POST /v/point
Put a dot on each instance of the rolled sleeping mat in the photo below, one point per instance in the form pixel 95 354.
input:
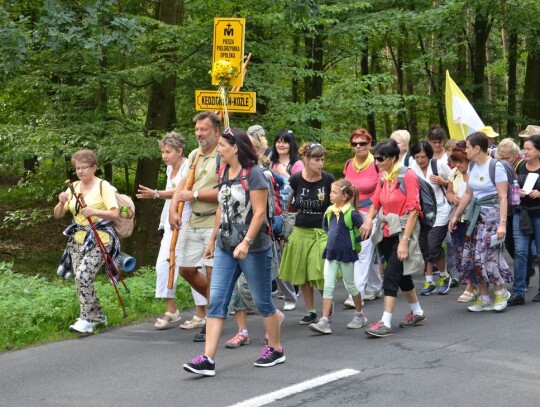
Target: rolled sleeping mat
pixel 126 262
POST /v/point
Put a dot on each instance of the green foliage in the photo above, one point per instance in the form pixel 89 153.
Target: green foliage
pixel 25 218
pixel 33 310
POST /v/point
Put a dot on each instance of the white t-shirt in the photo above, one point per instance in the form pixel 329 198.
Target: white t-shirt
pixel 480 182
pixel 172 183
pixel 443 208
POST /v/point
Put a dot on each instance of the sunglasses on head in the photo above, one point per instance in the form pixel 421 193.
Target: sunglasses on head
pixel 314 145
pixel 379 158
pixel 228 132
pixel 359 143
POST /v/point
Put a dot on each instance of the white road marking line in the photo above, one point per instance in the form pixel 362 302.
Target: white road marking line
pixel 297 388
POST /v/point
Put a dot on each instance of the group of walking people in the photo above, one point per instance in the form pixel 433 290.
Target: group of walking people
pixel 369 228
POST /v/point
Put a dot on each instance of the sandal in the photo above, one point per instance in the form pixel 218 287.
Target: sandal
pixel 162 323
pixel 195 322
pixel 467 296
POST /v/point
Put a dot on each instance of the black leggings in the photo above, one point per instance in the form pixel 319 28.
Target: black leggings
pixel 393 272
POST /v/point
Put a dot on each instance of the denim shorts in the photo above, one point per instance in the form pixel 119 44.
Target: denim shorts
pixel 257 268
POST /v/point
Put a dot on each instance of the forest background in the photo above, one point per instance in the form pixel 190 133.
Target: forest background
pixel 115 75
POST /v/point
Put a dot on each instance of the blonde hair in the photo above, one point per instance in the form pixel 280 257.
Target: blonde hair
pixel 403 135
pixel 508 145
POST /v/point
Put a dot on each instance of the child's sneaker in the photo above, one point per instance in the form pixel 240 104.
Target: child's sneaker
pixel 358 321
pixel 201 366
pixel 270 357
pixel 308 319
pixel 322 327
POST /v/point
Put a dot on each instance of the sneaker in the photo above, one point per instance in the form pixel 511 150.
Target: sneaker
pixel 270 357
pixel 480 305
pixel 321 327
pixel 358 321
pixel 281 296
pixel 83 326
pixel 308 319
pixel 536 298
pixel 289 306
pixel 516 300
pixel 378 329
pixel 429 288
pixel 349 303
pixel 201 366
pixel 201 336
pixel 194 323
pixel 369 296
pixel 455 282
pixel 412 319
pixel 444 285
pixel 501 301
pixel 237 340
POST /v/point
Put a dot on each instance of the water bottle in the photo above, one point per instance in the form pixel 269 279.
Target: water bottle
pixel 515 199
pixel 124 212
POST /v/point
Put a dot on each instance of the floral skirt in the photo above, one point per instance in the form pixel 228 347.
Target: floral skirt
pixel 482 264
pixel 302 260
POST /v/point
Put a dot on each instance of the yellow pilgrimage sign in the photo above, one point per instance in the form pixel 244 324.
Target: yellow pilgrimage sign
pixel 229 45
pixel 242 102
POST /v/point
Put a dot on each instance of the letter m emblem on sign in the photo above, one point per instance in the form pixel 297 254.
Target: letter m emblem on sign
pixel 228 31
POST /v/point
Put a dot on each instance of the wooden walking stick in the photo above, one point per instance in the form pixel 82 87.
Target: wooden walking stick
pixel 110 265
pixel 172 249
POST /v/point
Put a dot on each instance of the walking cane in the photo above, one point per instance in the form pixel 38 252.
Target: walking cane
pixel 110 266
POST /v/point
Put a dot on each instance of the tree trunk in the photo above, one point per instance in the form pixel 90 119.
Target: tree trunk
pixel 511 109
pixel 531 94
pixel 314 84
pixel 364 70
pixel 160 117
pixel 481 29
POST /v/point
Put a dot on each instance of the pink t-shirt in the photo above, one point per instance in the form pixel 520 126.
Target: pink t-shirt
pixel 391 199
pixel 365 180
pixel 296 167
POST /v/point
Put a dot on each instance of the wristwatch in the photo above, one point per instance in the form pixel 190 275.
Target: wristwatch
pixel 195 195
pixel 248 240
pixel 156 195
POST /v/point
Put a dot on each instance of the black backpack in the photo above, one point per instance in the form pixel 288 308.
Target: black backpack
pixel 428 201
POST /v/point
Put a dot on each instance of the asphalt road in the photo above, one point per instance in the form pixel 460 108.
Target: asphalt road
pixel 456 358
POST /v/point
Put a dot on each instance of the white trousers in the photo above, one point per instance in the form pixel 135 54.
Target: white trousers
pixel 367 276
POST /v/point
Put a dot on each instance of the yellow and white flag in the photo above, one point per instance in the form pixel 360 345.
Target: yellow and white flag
pixel 461 117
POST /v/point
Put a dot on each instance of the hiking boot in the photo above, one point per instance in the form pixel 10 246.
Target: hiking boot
pixel 444 285
pixel 201 336
pixel 237 340
pixel 201 366
pixel 321 327
pixel 412 319
pixel 308 319
pixel 358 321
pixel 83 326
pixel 501 301
pixel 480 306
pixel 270 357
pixel 378 329
pixel 429 288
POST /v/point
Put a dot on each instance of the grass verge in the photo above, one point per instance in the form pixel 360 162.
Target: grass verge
pixel 34 310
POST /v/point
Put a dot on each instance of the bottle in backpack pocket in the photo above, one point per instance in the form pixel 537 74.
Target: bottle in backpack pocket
pixel 124 212
pixel 515 199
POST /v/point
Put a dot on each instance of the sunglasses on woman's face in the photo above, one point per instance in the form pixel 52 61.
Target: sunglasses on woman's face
pixel 359 143
pixel 379 159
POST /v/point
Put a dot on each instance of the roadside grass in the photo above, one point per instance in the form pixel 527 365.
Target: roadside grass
pixel 34 310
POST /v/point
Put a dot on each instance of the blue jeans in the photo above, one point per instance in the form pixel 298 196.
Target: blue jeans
pixel 522 244
pixel 257 268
